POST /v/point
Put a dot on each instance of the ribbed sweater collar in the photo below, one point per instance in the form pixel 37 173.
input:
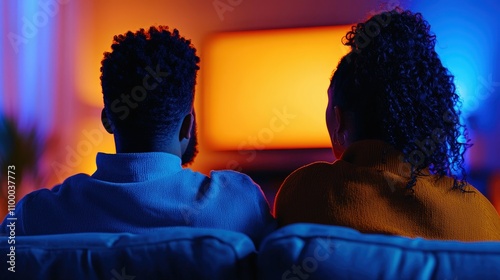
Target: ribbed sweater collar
pixel 135 167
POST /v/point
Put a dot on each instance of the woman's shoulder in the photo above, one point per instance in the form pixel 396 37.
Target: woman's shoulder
pixel 310 173
pixel 313 168
pixel 303 186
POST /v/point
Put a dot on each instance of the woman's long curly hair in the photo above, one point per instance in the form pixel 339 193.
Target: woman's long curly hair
pixel 398 90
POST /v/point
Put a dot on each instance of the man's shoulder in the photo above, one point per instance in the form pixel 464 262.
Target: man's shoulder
pixel 234 183
pixel 230 177
pixel 57 190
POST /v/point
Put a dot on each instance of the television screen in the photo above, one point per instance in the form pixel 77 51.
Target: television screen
pixel 267 89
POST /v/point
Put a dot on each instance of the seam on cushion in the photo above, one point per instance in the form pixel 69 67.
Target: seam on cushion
pixel 113 246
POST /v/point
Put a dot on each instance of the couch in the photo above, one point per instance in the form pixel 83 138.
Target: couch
pixel 165 253
pixel 295 252
pixel 307 251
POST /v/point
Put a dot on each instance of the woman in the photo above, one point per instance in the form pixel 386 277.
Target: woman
pixel 396 133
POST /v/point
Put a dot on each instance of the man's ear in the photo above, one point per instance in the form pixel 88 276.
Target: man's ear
pixel 106 122
pixel 187 125
pixel 340 119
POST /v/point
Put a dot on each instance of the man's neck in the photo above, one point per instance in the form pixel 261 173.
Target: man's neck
pixel 146 147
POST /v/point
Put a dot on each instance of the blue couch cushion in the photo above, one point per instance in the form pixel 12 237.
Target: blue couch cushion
pixel 166 253
pixel 309 251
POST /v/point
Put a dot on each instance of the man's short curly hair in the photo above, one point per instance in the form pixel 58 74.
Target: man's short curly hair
pixel 148 81
pixel 398 90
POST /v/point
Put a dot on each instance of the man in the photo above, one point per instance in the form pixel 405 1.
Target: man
pixel 148 82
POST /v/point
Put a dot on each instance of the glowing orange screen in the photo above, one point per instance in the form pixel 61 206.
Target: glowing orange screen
pixel 268 89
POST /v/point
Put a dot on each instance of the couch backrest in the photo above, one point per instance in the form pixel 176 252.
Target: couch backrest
pixel 307 251
pixel 166 253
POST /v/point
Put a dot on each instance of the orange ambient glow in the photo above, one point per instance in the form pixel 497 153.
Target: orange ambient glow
pixel 267 89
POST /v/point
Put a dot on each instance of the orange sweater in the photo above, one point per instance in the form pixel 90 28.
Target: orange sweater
pixel 365 190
